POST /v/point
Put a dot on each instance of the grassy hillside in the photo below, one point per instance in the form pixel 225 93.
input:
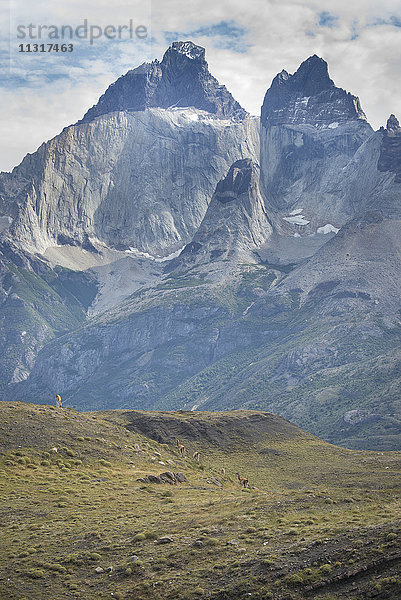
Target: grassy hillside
pixel 317 521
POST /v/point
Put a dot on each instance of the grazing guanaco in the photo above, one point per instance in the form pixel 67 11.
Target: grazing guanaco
pixel 243 481
pixel 58 401
pixel 181 448
pixel 196 456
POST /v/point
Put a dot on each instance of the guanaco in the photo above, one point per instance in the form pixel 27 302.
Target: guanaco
pixel 196 456
pixel 243 481
pixel 223 471
pixel 181 448
pixel 58 401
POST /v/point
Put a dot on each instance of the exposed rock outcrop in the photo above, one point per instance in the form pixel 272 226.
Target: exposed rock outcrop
pixel 390 150
pixel 236 223
pixel 167 477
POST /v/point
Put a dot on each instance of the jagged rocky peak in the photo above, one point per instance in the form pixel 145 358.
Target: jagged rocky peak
pixel 235 224
pixel 390 149
pixel 312 77
pixel 188 49
pixel 181 79
pixel 309 96
pixel 393 124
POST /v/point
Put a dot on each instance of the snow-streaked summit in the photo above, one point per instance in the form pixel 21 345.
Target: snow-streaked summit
pixel 189 49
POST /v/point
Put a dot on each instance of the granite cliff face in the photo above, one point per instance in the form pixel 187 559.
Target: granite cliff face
pixel 132 174
pixel 101 181
pixel 225 277
pixel 116 191
pixel 311 132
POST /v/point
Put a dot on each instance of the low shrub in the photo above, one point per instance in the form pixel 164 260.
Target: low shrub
pixel 294 579
pixel 198 591
pixel 56 567
pixel 210 541
pixel 72 558
pixel 326 569
pixel 95 556
pixel 35 573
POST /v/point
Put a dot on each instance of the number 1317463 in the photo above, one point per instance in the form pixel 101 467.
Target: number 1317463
pixel 45 47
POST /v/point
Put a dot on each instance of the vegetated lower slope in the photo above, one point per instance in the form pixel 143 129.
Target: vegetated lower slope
pixel 317 521
pixel 325 355
pixel 37 304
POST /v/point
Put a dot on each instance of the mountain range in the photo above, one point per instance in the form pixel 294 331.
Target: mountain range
pixel 170 251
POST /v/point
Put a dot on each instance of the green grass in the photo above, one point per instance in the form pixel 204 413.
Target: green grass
pixel 314 514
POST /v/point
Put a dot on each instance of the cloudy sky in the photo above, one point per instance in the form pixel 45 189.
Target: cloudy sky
pixel 247 44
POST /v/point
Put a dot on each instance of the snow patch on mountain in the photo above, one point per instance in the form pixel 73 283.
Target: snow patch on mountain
pixel 159 259
pixel 297 220
pixel 329 228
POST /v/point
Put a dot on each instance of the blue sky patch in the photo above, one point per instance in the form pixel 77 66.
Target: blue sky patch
pixel 226 34
pixel 327 19
pixel 393 20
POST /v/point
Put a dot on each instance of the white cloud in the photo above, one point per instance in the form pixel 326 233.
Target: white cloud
pixel 277 34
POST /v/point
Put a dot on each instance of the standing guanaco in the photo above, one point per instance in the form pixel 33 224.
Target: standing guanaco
pixel 243 481
pixel 58 401
pixel 181 448
pixel 196 456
